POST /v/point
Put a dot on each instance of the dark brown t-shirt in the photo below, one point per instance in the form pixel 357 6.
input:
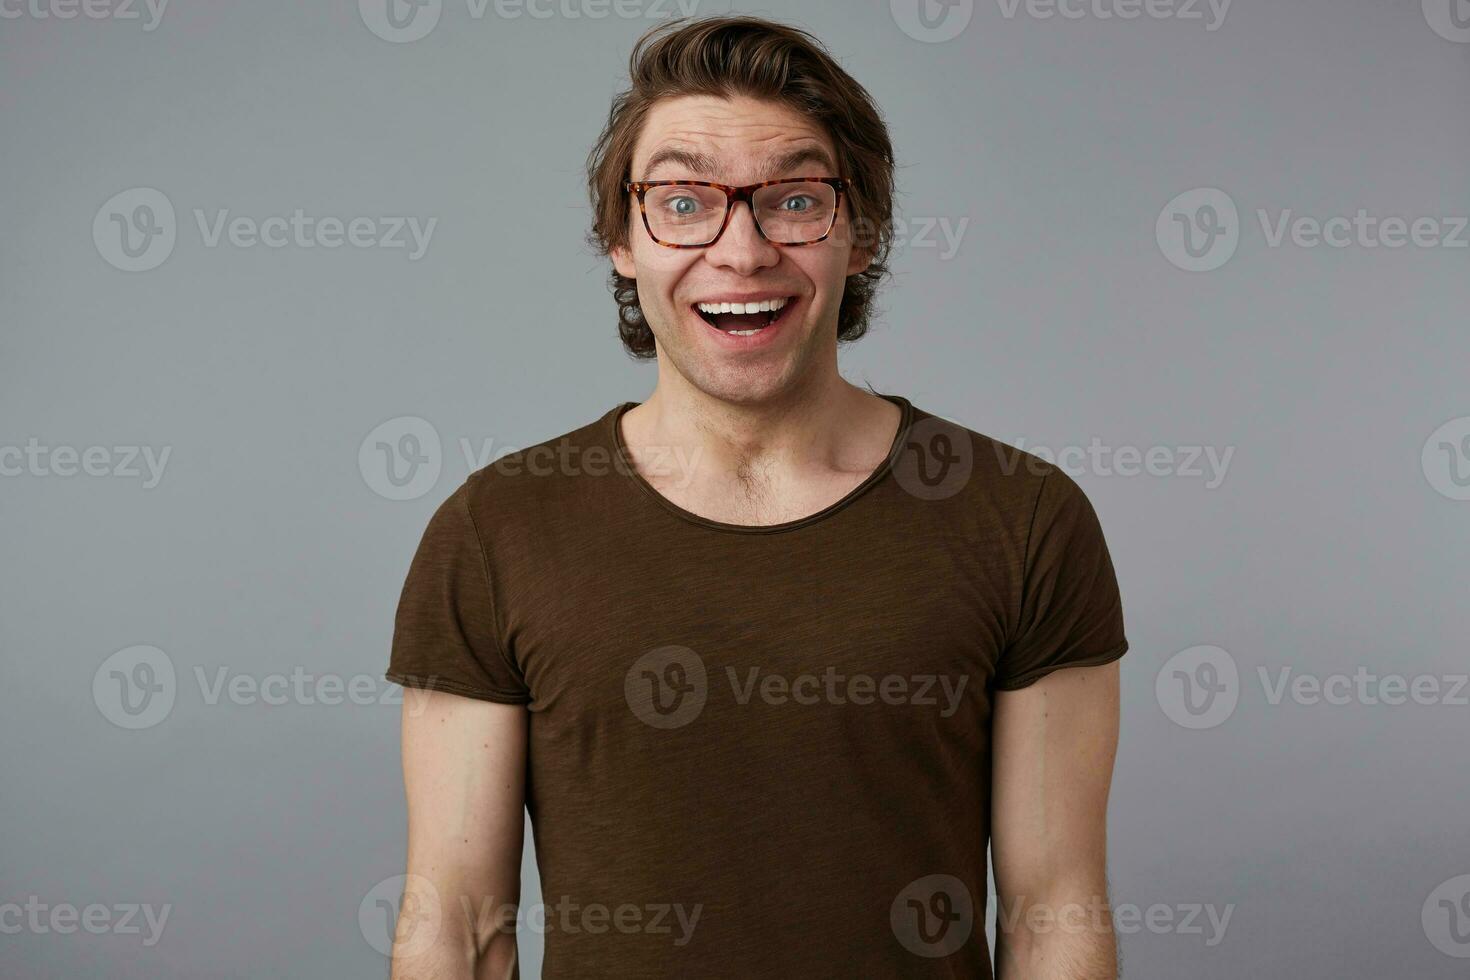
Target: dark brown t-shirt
pixel 759 751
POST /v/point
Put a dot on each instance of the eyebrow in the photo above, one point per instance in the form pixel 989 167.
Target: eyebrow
pixel 703 163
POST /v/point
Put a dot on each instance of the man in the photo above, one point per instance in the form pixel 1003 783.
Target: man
pixel 767 657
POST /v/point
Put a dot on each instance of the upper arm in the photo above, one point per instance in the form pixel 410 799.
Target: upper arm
pixel 464 731
pixel 464 777
pixel 1053 746
pixel 1055 722
pixel 1054 734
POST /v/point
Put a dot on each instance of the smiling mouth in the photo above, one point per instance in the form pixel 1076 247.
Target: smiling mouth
pixel 744 319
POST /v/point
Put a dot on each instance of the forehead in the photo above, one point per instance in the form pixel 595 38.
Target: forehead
pixel 738 139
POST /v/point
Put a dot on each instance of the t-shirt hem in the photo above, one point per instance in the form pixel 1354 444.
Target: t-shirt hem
pixel 454 687
pixel 1031 677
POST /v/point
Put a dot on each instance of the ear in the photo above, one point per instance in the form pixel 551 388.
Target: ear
pixel 858 259
pixel 622 259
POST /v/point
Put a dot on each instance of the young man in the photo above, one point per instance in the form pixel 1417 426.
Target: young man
pixel 768 689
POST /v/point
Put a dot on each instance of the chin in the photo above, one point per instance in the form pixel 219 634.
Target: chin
pixel 745 384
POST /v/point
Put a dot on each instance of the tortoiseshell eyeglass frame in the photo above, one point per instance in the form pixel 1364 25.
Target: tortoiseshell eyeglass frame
pixel 734 195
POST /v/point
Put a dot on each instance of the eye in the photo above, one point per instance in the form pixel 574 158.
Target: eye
pixel 796 199
pixel 681 205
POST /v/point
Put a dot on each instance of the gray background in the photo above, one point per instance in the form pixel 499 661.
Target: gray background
pixel 266 548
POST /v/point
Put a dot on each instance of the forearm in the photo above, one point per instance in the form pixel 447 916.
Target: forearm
pixel 453 960
pixel 471 937
pixel 1056 934
pixel 447 959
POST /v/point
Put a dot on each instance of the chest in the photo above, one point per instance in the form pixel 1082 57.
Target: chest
pixel 747 617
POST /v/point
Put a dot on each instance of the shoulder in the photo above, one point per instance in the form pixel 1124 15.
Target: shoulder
pixel 990 490
pixel 982 470
pixel 536 481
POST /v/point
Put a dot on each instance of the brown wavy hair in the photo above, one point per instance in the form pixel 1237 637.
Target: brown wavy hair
pixel 758 58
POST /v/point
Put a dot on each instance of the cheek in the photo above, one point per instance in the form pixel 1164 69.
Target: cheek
pixel 660 269
pixel 825 264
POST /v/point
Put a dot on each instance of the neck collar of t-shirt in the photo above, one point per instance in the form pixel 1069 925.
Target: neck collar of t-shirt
pixel 614 436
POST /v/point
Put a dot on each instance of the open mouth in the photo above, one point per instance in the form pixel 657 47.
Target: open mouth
pixel 745 319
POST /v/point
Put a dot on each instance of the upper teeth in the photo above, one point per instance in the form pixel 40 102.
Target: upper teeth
pixel 764 306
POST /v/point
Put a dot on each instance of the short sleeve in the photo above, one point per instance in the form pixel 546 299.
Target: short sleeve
pixel 444 633
pixel 1070 612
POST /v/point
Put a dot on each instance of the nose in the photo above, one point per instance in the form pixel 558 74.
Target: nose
pixel 740 248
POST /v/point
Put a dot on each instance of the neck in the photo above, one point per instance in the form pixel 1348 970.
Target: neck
pixel 826 423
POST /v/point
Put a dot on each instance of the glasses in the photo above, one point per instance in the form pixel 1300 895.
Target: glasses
pixel 695 213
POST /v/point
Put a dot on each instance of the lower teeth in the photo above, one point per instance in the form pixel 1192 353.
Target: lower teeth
pixel 770 319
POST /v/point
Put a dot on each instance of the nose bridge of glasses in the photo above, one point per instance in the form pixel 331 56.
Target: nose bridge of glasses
pixel 744 195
